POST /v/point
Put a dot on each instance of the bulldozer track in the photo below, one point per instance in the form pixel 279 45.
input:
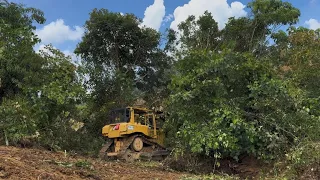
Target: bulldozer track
pixel 147 141
pixel 104 149
pixel 127 144
pixel 157 149
pixel 125 151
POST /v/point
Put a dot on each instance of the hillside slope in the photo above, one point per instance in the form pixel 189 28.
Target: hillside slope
pixel 16 163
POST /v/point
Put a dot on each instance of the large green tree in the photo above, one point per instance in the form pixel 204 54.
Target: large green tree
pixel 227 94
pixel 39 92
pixel 123 62
pixel 18 61
pixel 118 53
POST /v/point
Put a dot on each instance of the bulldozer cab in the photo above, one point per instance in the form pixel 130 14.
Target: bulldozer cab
pixel 132 115
pixel 143 117
pixel 120 115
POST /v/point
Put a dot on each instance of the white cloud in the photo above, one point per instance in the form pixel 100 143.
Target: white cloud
pixel 41 47
pixel 74 57
pixel 313 24
pixel 154 15
pixel 168 18
pixel 313 2
pixel 58 32
pixel 220 10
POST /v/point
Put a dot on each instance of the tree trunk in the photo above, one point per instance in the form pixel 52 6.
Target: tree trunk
pixel 6 138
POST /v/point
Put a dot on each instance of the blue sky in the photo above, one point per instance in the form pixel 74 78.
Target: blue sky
pixel 65 18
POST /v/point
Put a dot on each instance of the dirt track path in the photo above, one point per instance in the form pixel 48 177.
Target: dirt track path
pixel 16 163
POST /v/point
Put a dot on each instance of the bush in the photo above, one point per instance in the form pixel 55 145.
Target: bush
pixel 225 111
pixel 301 162
pixel 17 119
pixel 304 161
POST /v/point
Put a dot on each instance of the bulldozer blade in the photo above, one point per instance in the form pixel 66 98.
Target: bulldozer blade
pixel 161 153
pixel 157 155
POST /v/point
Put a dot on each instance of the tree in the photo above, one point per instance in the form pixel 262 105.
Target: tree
pixel 17 64
pixel 303 59
pixel 39 93
pixel 123 62
pixel 228 98
pixel 45 107
pixel 299 62
pixel 114 47
pixel 18 61
pixel 58 102
pixel 253 33
pixel 202 33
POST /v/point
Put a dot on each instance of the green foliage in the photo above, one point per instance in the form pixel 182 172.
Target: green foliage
pixel 123 62
pixel 59 163
pixel 56 99
pixel 301 162
pixel 210 176
pixel 307 153
pixel 205 37
pixel 18 64
pixel 48 106
pixel 83 164
pixel 231 91
pixel 17 118
pixel 232 97
pixel 229 110
pixel 17 58
pixel 275 12
pixel 303 58
pixel 60 83
pixel 120 57
pixel 39 93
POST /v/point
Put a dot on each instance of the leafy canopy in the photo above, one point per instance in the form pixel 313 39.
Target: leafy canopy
pixel 228 94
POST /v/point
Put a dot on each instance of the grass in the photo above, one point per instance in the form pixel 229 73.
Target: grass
pixel 210 177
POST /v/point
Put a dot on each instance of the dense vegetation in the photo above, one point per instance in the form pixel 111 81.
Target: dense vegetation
pixel 251 87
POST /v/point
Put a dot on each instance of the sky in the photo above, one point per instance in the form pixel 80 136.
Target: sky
pixel 65 18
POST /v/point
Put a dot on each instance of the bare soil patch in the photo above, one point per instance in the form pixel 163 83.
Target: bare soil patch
pixel 23 163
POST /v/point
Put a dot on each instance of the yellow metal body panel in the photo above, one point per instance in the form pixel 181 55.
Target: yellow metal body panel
pixel 125 129
pixel 136 125
pixel 160 137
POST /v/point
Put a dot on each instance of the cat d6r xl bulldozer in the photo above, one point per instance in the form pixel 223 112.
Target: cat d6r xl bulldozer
pixel 134 133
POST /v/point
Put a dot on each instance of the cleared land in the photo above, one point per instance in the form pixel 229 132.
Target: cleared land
pixel 18 163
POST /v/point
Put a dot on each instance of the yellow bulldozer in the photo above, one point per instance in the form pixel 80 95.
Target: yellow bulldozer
pixel 134 133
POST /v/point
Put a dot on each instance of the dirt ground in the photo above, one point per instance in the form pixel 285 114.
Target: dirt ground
pixel 18 163
pixel 37 164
